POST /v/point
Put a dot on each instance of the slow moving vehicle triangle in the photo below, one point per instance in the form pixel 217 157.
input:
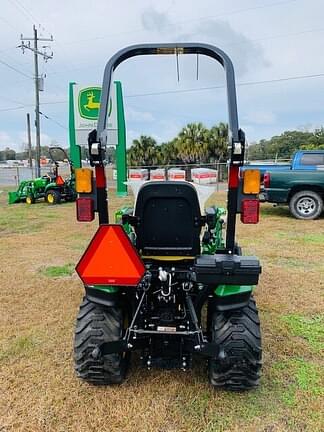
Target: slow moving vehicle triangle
pixel 111 259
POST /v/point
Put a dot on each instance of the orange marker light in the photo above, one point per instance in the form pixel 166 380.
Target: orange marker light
pixel 83 180
pixel 111 259
pixel 251 181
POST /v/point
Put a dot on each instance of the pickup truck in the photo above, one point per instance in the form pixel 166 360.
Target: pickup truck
pixel 306 160
pixel 303 191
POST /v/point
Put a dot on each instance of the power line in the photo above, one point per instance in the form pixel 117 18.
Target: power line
pixel 54 121
pixel 8 23
pixel 24 10
pixel 260 39
pixel 249 83
pixel 16 70
pixel 198 89
pixel 172 24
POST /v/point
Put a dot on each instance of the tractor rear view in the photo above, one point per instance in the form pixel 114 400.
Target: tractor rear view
pixel 164 280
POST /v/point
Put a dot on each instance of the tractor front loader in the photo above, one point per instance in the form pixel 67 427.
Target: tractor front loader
pixel 51 186
pixel 163 280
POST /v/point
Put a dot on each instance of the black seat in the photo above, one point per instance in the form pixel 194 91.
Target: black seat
pixel 168 219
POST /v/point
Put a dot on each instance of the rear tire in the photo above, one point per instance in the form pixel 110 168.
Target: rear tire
pixel 306 205
pixel 53 197
pixel 71 198
pixel 238 335
pixel 95 325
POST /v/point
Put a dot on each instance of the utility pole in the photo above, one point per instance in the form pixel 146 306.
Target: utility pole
pixel 38 81
pixel 30 159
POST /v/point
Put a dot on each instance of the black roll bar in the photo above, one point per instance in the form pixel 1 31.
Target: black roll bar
pixel 235 135
pixel 171 48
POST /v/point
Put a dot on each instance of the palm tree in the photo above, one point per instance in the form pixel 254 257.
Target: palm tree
pixel 218 141
pixel 169 153
pixel 143 151
pixel 192 143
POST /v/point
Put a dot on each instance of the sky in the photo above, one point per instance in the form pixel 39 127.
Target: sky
pixel 276 46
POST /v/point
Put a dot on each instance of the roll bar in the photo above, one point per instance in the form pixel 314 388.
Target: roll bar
pixel 171 48
pixel 98 138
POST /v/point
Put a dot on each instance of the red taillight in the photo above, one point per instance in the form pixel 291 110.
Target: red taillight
pixel 250 211
pixel 266 180
pixel 85 209
pixel 111 259
pixel 233 177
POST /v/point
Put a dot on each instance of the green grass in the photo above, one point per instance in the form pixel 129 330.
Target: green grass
pixel 58 271
pixel 297 379
pixel 304 239
pixel 18 346
pixel 309 328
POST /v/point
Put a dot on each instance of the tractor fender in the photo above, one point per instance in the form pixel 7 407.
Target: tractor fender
pixel 51 185
pixel 102 298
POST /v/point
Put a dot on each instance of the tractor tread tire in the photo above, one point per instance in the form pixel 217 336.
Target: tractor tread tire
pixel 95 325
pixel 238 335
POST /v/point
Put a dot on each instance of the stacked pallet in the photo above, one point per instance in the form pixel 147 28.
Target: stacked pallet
pixel 204 175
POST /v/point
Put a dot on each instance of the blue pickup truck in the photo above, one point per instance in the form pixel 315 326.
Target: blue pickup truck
pixel 309 160
pixel 301 186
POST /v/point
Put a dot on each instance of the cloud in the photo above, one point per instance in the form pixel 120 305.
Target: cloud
pixel 257 40
pixel 260 117
pixel 135 115
pixel 17 140
pixel 7 141
pixel 245 53
pixel 152 20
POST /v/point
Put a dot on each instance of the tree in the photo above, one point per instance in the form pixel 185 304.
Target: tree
pixel 192 143
pixel 168 153
pixel 143 152
pixel 7 154
pixel 218 142
pixel 283 146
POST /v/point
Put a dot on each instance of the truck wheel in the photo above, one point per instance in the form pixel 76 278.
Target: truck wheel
pixel 306 205
pixel 238 335
pixel 53 197
pixel 97 324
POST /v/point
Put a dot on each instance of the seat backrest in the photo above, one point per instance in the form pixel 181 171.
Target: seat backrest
pixel 168 219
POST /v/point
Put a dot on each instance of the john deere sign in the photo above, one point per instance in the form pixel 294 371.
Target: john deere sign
pixel 89 102
pixel 84 106
pixel 86 111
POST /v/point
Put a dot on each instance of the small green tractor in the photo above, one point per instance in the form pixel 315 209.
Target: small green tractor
pixel 162 280
pixel 52 186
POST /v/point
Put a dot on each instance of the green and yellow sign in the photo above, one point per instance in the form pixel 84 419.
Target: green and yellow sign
pixel 89 102
pixel 84 107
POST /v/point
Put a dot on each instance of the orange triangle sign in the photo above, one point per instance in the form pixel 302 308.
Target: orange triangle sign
pixel 111 259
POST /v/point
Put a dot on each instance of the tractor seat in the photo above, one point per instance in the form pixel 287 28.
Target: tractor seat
pixel 168 220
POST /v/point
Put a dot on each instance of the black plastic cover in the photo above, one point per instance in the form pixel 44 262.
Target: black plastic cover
pixel 227 269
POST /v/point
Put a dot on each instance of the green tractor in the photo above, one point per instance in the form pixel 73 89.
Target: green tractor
pixel 51 186
pixel 162 280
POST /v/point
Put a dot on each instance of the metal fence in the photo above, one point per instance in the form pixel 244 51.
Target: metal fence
pixel 12 176
pixel 220 168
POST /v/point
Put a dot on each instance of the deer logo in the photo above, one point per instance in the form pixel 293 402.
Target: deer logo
pixel 91 104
